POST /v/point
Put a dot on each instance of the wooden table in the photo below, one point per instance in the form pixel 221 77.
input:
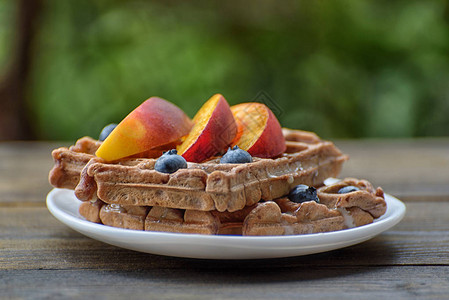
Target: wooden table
pixel 42 258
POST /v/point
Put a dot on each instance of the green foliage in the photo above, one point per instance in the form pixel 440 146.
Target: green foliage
pixel 6 32
pixel 340 68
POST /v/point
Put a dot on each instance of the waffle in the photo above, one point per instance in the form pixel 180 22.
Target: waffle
pixel 90 210
pixel 69 162
pixel 283 217
pixel 367 198
pixel 334 212
pixel 194 221
pixel 210 186
pixel 128 217
pixel 164 219
pixel 278 217
pixel 182 221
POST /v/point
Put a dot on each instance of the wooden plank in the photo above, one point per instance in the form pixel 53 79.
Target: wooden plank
pixel 273 282
pixel 24 168
pixel 391 249
pixel 412 170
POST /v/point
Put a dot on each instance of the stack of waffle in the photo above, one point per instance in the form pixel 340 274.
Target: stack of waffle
pixel 214 198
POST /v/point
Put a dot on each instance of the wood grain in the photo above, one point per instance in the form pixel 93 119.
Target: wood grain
pixel 24 168
pixel 287 283
pixel 42 258
pixel 413 170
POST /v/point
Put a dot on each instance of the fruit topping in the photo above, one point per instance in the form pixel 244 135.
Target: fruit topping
pixel 236 156
pixel 170 162
pixel 106 131
pixel 213 132
pixel 258 130
pixel 303 193
pixel 348 189
pixel 154 123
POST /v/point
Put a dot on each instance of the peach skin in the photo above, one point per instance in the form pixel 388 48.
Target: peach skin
pixel 154 123
pixel 259 131
pixel 214 130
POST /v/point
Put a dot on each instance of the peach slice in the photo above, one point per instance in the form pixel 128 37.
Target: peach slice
pixel 259 132
pixel 214 130
pixel 154 123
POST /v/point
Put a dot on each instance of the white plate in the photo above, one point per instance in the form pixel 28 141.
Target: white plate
pixel 64 206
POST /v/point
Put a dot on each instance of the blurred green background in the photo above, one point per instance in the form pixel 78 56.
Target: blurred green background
pixel 344 69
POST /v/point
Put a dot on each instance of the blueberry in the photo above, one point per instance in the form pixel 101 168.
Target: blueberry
pixel 348 189
pixel 303 193
pixel 106 131
pixel 170 162
pixel 236 156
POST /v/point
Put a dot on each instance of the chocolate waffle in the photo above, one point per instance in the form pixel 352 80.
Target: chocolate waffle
pixel 164 219
pixel 70 161
pixel 283 217
pixel 366 198
pixel 128 217
pixel 334 212
pixel 90 210
pixel 195 221
pixel 278 217
pixel 181 221
pixel 210 185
